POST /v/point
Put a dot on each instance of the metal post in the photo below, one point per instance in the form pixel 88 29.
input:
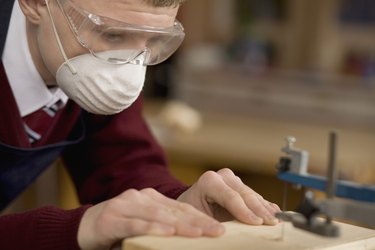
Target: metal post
pixel 331 173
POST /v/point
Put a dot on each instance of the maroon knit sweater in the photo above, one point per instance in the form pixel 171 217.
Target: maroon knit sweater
pixel 117 153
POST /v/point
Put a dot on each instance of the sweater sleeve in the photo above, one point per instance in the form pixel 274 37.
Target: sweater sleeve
pixel 119 153
pixel 42 228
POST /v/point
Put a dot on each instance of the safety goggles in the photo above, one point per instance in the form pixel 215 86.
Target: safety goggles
pixel 101 34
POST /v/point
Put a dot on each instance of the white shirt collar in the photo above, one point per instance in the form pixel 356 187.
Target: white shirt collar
pixel 29 89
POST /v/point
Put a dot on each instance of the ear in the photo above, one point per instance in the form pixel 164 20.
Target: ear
pixel 31 9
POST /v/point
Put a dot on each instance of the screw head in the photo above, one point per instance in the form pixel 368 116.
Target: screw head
pixel 290 140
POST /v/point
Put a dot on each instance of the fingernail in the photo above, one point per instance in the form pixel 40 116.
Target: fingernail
pixel 256 220
pixel 271 221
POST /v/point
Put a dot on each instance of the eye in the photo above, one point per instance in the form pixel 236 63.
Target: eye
pixel 113 36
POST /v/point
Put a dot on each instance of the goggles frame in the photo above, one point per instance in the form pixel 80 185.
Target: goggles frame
pixel 176 31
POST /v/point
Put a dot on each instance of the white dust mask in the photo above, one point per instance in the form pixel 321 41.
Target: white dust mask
pixel 100 87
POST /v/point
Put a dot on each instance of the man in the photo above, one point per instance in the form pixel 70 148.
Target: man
pixel 95 53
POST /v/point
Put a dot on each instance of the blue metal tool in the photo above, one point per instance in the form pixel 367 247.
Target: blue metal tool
pixel 358 203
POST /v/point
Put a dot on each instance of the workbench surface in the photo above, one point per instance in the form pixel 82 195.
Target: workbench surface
pixel 239 236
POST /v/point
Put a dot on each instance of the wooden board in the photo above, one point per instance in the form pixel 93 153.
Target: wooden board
pixel 239 237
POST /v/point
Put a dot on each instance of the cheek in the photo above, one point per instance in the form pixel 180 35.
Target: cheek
pixel 49 50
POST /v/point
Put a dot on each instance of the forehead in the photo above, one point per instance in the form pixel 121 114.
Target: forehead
pixel 131 11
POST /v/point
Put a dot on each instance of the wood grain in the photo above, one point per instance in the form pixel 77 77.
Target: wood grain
pixel 239 236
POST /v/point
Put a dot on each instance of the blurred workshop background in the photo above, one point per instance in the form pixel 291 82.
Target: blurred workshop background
pixel 249 74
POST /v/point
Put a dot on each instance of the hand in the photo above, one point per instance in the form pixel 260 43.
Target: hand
pixel 224 196
pixel 138 213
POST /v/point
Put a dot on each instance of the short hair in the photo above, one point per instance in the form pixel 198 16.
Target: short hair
pixel 165 3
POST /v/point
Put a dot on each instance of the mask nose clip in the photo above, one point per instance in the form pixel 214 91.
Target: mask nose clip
pixel 141 58
pixel 138 59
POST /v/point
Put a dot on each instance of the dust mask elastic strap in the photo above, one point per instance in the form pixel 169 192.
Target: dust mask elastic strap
pixel 71 67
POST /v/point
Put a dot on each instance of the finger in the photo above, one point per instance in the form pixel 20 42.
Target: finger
pixel 187 213
pixel 219 192
pixel 259 206
pixel 133 226
pixel 252 199
pixel 275 207
pixel 153 206
pixel 158 197
pixel 272 208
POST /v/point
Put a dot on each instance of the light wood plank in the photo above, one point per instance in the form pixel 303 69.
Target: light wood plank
pixel 239 236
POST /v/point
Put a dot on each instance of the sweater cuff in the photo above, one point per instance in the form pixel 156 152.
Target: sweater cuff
pixel 58 229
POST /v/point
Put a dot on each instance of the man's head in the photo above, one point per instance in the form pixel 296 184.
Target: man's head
pixel 96 51
pixel 41 37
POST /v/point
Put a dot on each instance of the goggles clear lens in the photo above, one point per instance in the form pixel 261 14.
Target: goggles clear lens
pixel 99 34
